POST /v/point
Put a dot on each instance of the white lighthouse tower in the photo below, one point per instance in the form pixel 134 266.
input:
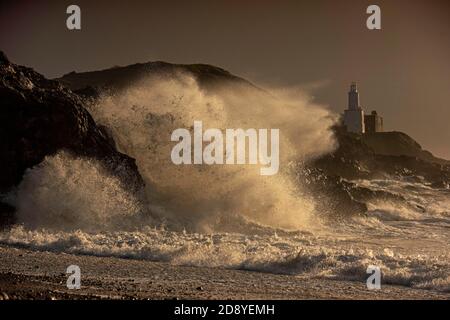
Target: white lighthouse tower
pixel 354 115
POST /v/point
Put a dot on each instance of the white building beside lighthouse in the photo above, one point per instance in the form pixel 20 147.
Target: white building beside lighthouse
pixel 354 115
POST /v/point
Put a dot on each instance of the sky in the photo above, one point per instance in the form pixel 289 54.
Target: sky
pixel 402 70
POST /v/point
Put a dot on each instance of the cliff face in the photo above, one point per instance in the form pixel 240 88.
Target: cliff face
pixel 118 77
pixel 38 117
pixel 365 157
pixel 380 155
pixel 396 143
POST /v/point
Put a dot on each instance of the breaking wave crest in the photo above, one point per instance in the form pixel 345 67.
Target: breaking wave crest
pixel 225 216
pixel 77 193
pixel 65 193
pixel 142 118
pixel 294 253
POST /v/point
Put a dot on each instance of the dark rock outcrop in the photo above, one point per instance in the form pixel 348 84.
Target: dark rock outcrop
pixel 379 155
pixel 208 76
pixel 39 117
pixel 356 159
pixel 334 196
pixel 3 58
pixel 395 143
pixel 6 215
pixel 328 178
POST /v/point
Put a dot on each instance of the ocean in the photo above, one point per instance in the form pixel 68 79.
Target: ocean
pixel 222 216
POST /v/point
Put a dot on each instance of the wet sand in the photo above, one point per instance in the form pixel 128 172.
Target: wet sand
pixel 26 274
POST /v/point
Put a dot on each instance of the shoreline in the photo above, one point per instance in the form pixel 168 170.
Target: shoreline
pixel 28 274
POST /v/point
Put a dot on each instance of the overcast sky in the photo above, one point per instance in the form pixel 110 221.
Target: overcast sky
pixel 403 70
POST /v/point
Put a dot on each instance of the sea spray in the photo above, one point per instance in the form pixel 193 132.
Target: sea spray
pixel 66 193
pixel 143 116
pixel 290 253
pixel 70 204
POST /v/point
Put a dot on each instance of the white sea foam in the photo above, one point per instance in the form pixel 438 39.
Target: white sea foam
pixel 294 253
pixel 143 117
pixel 233 217
pixel 65 192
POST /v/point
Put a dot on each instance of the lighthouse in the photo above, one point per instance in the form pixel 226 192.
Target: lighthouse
pixel 354 115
